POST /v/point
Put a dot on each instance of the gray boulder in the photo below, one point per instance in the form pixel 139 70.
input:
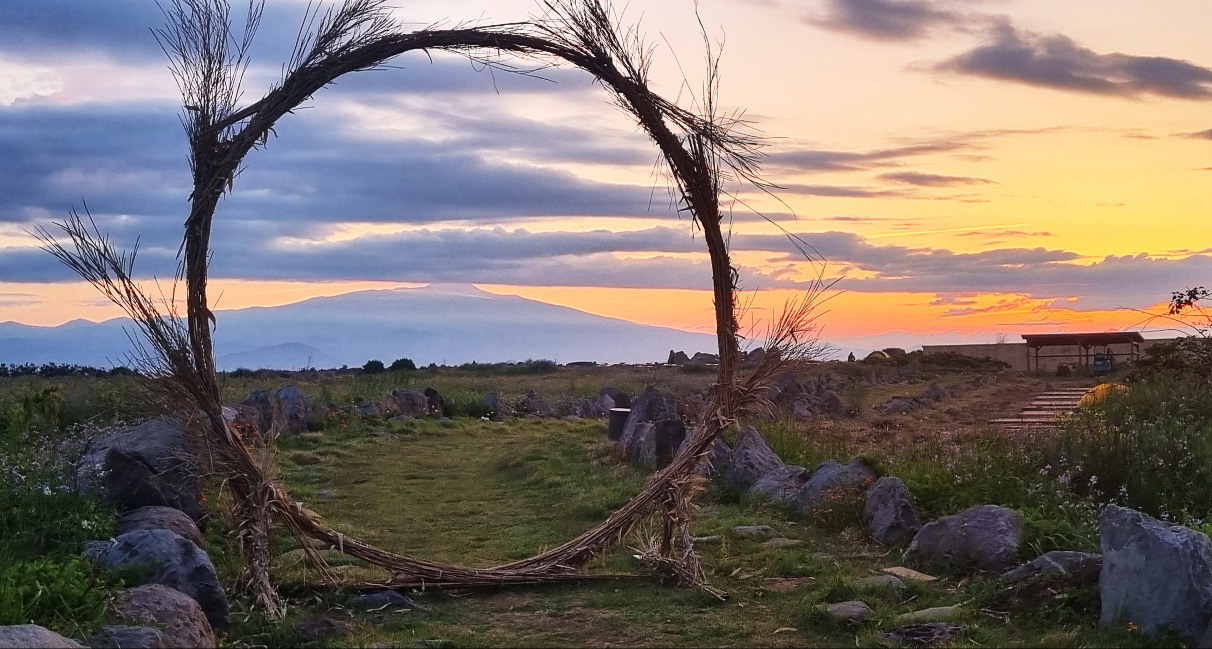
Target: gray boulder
pixel 1078 568
pixel 21 636
pixel 149 464
pixel 752 458
pixel 677 358
pixel 1155 574
pixel 831 402
pixel 533 404
pixel 173 613
pixel 654 430
pixel 263 404
pixel 847 612
pixel 411 402
pixel 889 515
pixel 621 399
pixel 247 420
pixel 497 407
pixel 117 636
pixel 703 358
pixel 593 407
pixel 654 443
pixel 161 518
pixel 781 484
pixel 292 403
pixel 174 561
pixel 831 481
pixel 437 405
pixel 985 537
pixel 718 458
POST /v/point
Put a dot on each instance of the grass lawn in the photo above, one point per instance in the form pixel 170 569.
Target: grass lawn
pixel 481 493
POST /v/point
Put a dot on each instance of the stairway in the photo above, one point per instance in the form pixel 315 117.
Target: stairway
pixel 1042 412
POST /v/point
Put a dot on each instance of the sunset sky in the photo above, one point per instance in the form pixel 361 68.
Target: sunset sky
pixel 967 168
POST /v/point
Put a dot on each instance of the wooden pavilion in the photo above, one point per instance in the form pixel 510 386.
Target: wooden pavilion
pixel 1080 348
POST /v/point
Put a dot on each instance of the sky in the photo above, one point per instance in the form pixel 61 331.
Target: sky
pixel 968 170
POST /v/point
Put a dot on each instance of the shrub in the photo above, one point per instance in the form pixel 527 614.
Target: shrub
pixel 402 364
pixel 373 367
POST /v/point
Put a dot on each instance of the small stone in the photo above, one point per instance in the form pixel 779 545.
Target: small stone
pixel 714 538
pixel 317 628
pixel 754 531
pixel 844 612
pixel 821 556
pixel 384 600
pixel 881 582
pixel 920 635
pixel 782 543
pixel 909 573
pixel 1079 568
pixel 936 614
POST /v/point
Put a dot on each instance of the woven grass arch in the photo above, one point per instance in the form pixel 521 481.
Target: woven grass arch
pixel 701 147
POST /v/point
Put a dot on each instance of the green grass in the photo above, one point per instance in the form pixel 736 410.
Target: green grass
pixel 481 493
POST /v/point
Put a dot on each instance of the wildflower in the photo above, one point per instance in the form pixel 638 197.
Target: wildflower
pixel 1093 480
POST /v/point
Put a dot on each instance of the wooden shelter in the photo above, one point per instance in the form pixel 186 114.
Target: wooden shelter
pixel 1080 348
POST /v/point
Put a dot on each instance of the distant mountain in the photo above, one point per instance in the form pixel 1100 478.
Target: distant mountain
pixel 445 325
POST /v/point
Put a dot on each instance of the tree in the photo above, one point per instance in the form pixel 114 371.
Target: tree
pixel 373 366
pixel 402 364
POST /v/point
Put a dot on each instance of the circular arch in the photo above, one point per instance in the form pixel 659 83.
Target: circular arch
pixel 700 150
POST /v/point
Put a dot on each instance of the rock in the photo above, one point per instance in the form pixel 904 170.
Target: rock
pixel 383 600
pixel 149 464
pixel 677 358
pixel 116 636
pixel 847 612
pixel 175 562
pixel 400 419
pixel 292 403
pixel 703 358
pixel 717 461
pixel 411 402
pixel 437 405
pixel 920 635
pixel 246 419
pixel 654 429
pixel 654 444
pixel 831 482
pixel 263 404
pixel 592 407
pixel 713 538
pixel 497 408
pixel 881 582
pixel 753 355
pixel 801 409
pixel 1080 568
pixel 889 515
pixel 781 542
pixel 787 390
pixel 936 614
pixel 780 485
pixel 934 393
pixel 173 613
pixel 755 531
pixel 375 409
pixel 984 537
pixel 822 556
pixel 318 628
pixel 909 573
pixel 831 402
pixel 20 636
pixel 1155 574
pixel 161 518
pixel 898 405
pixel 534 404
pixel 752 458
pixel 620 398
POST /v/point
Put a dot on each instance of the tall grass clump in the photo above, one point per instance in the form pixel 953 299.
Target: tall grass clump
pixel 1148 447
pixel 44 522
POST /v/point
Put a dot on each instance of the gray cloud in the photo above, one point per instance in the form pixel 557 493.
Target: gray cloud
pixel 1004 233
pixel 887 20
pixel 1056 61
pixel 1202 135
pixel 933 180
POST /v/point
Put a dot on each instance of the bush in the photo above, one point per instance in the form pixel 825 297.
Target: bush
pixel 373 367
pixel 402 364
